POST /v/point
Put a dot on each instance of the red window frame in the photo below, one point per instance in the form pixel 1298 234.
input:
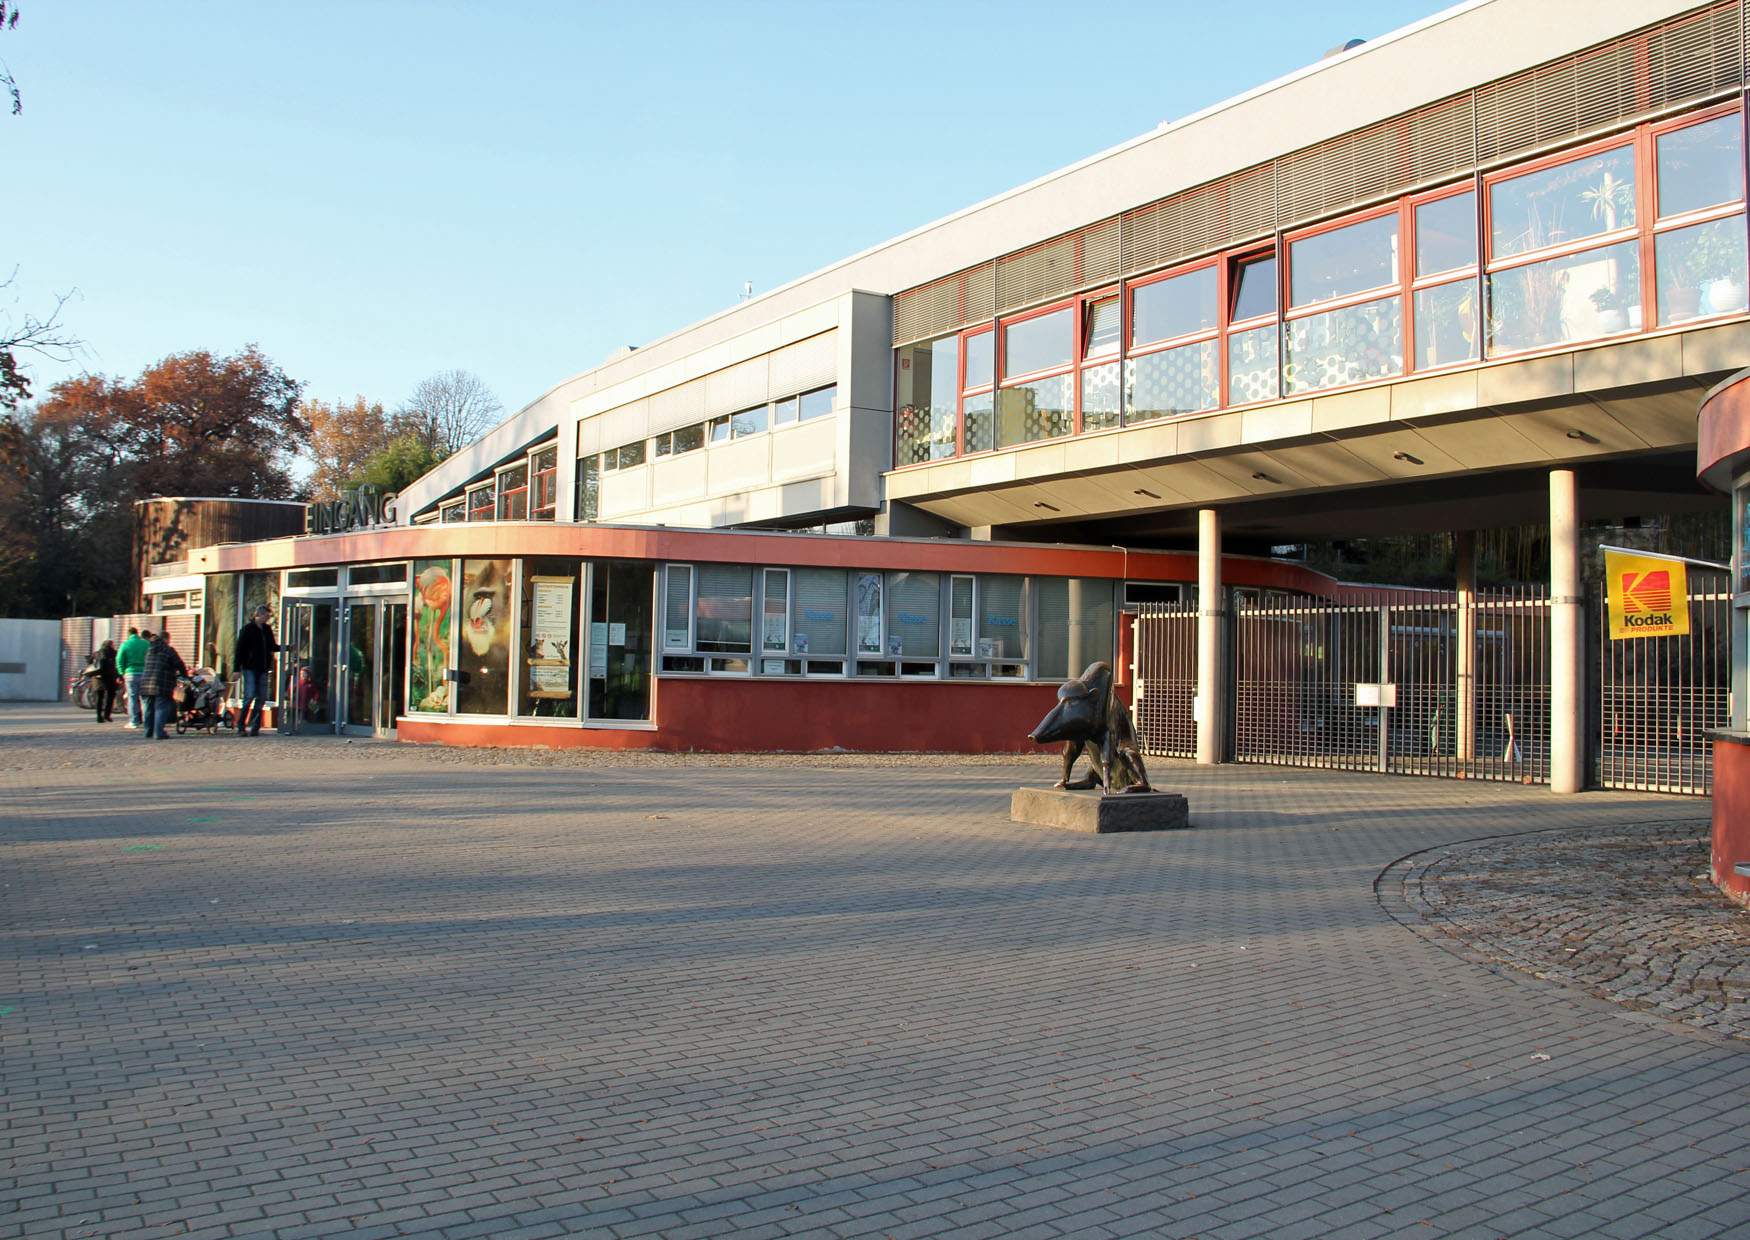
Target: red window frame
pixel 1397 287
pixel 963 390
pixel 490 507
pixel 544 484
pixel 1199 336
pixel 506 495
pixel 1414 283
pixel 1634 141
pixel 1084 363
pixel 1658 225
pixel 1231 262
pixel 1070 367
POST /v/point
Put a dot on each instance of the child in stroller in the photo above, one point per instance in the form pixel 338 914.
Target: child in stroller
pixel 200 703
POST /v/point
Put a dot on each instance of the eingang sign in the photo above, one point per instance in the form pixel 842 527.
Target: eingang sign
pixel 1648 596
pixel 363 507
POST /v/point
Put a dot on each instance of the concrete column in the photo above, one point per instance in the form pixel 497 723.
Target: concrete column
pixel 1464 724
pixel 1211 680
pixel 1567 748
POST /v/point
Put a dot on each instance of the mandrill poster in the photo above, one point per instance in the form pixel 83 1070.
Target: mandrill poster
pixel 484 656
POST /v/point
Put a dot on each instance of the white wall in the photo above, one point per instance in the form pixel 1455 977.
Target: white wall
pixel 30 660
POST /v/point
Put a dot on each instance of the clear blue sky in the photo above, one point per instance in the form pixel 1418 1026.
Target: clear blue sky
pixel 374 191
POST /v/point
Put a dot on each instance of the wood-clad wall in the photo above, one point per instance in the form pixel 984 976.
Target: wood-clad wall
pixel 166 530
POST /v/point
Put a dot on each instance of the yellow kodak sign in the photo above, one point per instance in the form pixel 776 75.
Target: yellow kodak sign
pixel 1648 595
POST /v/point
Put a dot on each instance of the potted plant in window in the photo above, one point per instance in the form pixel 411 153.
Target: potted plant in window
pixel 1612 308
pixel 1610 199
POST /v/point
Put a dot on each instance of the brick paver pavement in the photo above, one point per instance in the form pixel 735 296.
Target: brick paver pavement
pixel 310 989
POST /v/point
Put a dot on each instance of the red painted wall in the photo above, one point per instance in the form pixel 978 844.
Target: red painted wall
pixel 725 715
pixel 1731 817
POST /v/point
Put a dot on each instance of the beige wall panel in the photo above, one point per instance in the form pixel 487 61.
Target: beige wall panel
pixel 1324 464
pixel 739 465
pixel 1350 409
pixel 1238 467
pixel 805 449
pixel 1091 452
pixel 1489 442
pixel 1434 396
pixel 1045 461
pixel 1290 420
pixel 990 471
pixel 1377 451
pixel 1548 429
pixel 679 479
pixel 1716 350
pixel 1629 362
pixel 589 436
pixel 1210 432
pixel 1659 419
pixel 1193 481
pixel 677 406
pixel 627 424
pixel 1538 378
pixel 1149 442
pixel 625 491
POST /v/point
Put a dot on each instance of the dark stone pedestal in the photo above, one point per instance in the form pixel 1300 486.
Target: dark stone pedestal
pixel 1094 813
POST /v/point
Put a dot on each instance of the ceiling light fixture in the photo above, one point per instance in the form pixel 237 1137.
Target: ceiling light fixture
pixel 1582 437
pixel 1261 476
pixel 1147 494
pixel 1406 457
pixel 1048 507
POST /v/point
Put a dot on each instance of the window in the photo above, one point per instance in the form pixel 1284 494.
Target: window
pixel 1002 620
pixel 513 493
pixel 632 454
pixel 686 439
pixel 481 502
pixel 1444 303
pixel 483 654
pixel 723 609
pixel 589 488
pixel 677 609
pixel 1252 332
pixel 818 620
pixel 1076 626
pixel 926 383
pixel 977 401
pixel 747 422
pixel 544 501
pixel 1043 342
pixel 818 403
pixel 961 596
pixel 784 411
pixel 1699 241
pixel 718 430
pixel 547 680
pixel 1361 339
pixel 454 511
pixel 1175 365
pixel 1028 410
pixel 869 614
pixel 914 615
pixel 1099 380
pixel 775 610
pixel 1537 298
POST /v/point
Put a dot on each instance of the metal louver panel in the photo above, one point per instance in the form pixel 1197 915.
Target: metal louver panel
pixel 1686 58
pixel 1209 217
pixel 1393 157
pixel 945 305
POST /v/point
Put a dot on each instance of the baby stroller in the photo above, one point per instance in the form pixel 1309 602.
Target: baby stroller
pixel 200 703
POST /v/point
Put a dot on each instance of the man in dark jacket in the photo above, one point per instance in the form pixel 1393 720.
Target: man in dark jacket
pixel 253 658
pixel 158 684
pixel 108 680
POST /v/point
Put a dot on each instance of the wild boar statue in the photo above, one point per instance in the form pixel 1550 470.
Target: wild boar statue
pixel 1088 715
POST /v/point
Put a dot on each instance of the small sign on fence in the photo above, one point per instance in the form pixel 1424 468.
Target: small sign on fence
pixel 1648 596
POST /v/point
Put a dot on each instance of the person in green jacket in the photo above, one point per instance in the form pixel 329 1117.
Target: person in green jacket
pixel 130 660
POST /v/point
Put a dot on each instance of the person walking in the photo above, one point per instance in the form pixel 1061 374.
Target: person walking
pixel 253 659
pixel 130 660
pixel 158 684
pixel 108 680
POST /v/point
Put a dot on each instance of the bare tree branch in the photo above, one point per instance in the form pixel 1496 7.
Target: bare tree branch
pixel 450 410
pixel 27 334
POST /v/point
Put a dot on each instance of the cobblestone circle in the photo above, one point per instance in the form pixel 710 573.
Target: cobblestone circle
pixel 1626 913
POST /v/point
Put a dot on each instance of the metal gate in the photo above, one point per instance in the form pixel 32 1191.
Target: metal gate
pixel 1442 686
pixel 1166 679
pixel 1658 696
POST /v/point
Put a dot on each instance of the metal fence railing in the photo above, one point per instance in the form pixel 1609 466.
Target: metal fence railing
pixel 1166 679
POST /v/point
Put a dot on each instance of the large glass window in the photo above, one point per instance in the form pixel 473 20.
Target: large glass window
pixel 547 687
pixel 1577 297
pixel 428 689
pixel 1173 381
pixel 1446 324
pixel 980 359
pixel 483 658
pixel 723 612
pixel 1446 234
pixel 869 613
pixel 1002 620
pixel 818 403
pixel 619 627
pixel 1254 288
pixel 818 622
pixel 481 502
pixel 1699 249
pixel 927 384
pixel 1043 342
pixel 775 610
pixel 1343 261
pixel 1041 409
pixel 1178 306
pixel 1252 365
pixel 1101 396
pixel 1585 197
pixel 1349 345
pixel 784 410
pixel 747 422
pixel 980 414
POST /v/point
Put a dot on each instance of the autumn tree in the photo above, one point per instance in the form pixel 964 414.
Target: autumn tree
pixel 404 458
pixel 344 438
pixel 450 410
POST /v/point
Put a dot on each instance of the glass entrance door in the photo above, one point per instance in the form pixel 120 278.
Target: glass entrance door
pixel 620 613
pixel 359 668
pixel 392 693
pixel 306 693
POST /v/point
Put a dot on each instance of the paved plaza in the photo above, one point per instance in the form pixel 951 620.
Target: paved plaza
pixel 301 987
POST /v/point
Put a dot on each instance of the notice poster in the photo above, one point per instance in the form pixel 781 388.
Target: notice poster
pixel 598 650
pixel 960 635
pixel 869 613
pixel 550 612
pixel 616 634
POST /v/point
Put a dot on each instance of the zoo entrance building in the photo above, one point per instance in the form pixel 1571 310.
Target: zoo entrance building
pixel 1477 273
